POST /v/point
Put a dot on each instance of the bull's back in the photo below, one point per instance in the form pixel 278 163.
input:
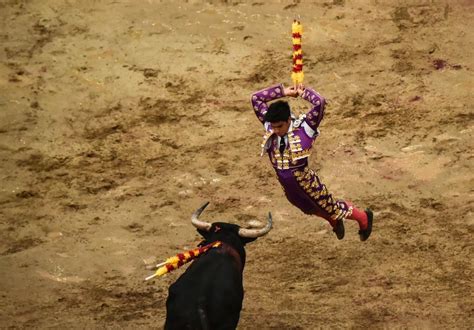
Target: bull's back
pixel 210 291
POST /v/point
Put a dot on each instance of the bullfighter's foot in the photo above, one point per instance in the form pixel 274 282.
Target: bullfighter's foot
pixel 339 229
pixel 364 234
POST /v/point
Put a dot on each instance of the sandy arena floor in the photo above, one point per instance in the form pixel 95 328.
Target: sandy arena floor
pixel 119 118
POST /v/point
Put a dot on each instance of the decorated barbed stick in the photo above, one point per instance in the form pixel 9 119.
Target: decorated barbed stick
pixel 297 74
pixel 180 259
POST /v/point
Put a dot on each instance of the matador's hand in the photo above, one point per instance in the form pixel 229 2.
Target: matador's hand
pixel 300 89
pixel 290 91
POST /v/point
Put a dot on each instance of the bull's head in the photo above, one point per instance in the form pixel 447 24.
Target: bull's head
pixel 247 234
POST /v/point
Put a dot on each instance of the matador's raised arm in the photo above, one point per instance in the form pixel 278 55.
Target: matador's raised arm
pixel 315 115
pixel 259 100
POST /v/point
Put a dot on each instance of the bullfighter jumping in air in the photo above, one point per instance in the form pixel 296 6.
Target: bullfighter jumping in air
pixel 288 141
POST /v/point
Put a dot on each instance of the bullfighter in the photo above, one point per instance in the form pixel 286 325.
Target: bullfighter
pixel 288 141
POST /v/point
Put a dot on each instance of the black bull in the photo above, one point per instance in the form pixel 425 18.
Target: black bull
pixel 209 294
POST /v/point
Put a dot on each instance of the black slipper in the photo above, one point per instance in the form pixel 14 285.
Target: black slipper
pixel 364 234
pixel 339 229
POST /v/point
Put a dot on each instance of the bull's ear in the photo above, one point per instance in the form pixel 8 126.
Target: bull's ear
pixel 246 240
pixel 203 233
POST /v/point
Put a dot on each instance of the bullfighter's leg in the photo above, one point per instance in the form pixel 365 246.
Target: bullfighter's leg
pixel 331 209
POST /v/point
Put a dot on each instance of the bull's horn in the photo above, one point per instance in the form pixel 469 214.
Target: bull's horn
pixel 254 233
pixel 198 223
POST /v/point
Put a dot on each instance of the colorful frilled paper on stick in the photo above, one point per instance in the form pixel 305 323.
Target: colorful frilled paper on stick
pixel 175 262
pixel 297 74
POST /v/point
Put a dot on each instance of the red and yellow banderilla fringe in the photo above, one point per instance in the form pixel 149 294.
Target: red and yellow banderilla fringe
pixel 180 259
pixel 297 74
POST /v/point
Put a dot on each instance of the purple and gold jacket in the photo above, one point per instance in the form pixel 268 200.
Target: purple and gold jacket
pixel 301 135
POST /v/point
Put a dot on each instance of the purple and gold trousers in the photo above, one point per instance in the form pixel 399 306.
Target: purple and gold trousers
pixel 304 189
